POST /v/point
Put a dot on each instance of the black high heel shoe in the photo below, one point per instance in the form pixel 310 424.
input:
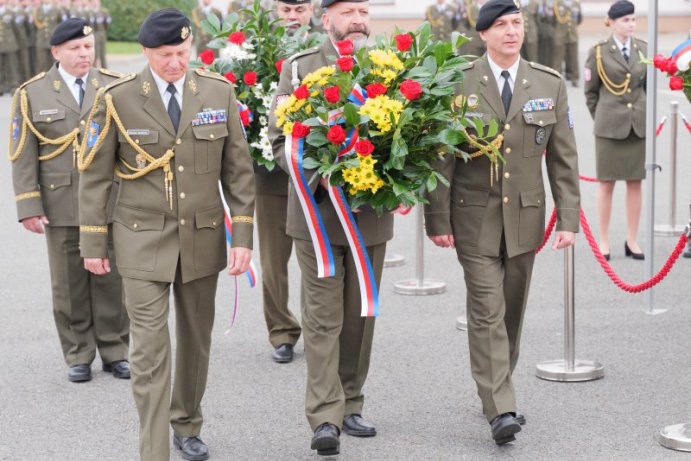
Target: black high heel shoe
pixel 628 252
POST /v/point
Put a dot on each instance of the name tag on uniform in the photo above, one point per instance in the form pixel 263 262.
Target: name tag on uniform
pixel 48 112
pixel 138 132
pixel 537 105
pixel 210 117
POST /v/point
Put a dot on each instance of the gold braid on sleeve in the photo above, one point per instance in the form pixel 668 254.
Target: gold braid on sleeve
pixel 85 160
pixel 243 219
pixel 617 89
pixel 61 143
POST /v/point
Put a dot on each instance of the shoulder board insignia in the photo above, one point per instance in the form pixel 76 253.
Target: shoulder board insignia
pixel 641 40
pixel 31 80
pixel 120 80
pixel 110 73
pixel 302 53
pixel 214 75
pixel 467 65
pixel 549 70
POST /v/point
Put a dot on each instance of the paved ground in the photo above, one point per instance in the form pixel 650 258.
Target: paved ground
pixel 419 393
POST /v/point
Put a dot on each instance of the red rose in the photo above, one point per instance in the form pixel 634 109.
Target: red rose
pixel 345 64
pixel 676 83
pixel 250 77
pixel 279 65
pixel 411 90
pixel 332 94
pixel 403 42
pixel 660 62
pixel 364 147
pixel 336 134
pixel 230 77
pixel 302 92
pixel 300 130
pixel 237 38
pixel 671 67
pixel 207 56
pixel 245 117
pixel 375 89
pixel 345 47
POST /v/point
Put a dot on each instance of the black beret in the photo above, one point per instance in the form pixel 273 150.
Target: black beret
pixel 295 2
pixel 620 8
pixel 71 29
pixel 168 26
pixel 494 9
pixel 328 3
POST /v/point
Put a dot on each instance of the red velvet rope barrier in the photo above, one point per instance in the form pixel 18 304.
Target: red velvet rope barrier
pixel 657 278
pixel 686 123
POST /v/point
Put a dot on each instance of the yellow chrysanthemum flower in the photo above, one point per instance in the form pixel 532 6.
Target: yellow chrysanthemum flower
pixel 379 110
pixel 288 128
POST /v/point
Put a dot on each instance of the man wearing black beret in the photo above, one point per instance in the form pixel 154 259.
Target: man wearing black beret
pixel 171 134
pixel 338 341
pixel 48 113
pixel 494 216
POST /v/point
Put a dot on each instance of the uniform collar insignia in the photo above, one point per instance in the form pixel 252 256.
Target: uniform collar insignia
pixel 56 85
pixel 146 88
pixel 524 81
pixel 193 85
pixel 485 78
pixel 95 83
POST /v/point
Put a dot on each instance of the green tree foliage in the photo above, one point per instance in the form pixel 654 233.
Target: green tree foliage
pixel 129 15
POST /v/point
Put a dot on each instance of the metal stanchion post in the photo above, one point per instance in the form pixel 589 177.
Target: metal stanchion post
pixel 671 229
pixel 419 285
pixel 569 369
pixel 393 260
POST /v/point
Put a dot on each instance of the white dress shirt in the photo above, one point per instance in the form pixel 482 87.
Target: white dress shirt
pixel 70 81
pixel 622 45
pixel 163 89
pixel 496 71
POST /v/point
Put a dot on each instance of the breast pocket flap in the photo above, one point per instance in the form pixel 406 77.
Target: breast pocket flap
pixel 473 197
pixel 55 180
pixel 138 220
pixel 533 197
pixel 210 132
pixel 48 116
pixel 540 118
pixel 212 218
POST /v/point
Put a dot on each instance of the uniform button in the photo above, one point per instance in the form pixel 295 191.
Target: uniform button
pixel 182 222
pixel 540 122
pixel 182 195
pixel 181 168
pixel 539 201
pixel 629 105
pixel 462 200
pixel 48 119
pixel 629 90
pixel 211 136
pixel 82 123
pixel 507 127
pixel 178 141
pixel 135 225
pixel 213 223
pixel 628 75
pixel 506 200
pixel 136 141
pixel 52 186
pixel 507 175
pixel 507 150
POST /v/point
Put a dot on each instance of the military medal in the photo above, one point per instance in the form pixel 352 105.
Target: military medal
pixel 141 161
pixel 540 136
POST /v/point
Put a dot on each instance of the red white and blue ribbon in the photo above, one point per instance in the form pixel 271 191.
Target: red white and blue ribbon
pixel 251 273
pixel 682 55
pixel 369 294
pixel 294 151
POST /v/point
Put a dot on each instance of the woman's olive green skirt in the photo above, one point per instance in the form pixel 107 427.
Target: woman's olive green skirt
pixel 620 159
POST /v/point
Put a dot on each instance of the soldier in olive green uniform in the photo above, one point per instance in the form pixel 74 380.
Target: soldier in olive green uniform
pixel 46 18
pixel 615 95
pixel 530 48
pixel 30 34
pixel 200 13
pixel 316 25
pixel 545 20
pixel 566 18
pixel 21 17
pixel 179 134
pixel 338 340
pixel 46 122
pixel 9 62
pixel 101 23
pixel 470 9
pixel 496 222
pixel 571 67
pixel 440 16
pixel 275 245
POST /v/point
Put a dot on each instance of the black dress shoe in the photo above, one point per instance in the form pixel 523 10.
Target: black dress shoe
pixel 520 418
pixel 79 373
pixel 283 353
pixel 356 426
pixel 628 252
pixel 191 448
pixel 325 440
pixel 504 427
pixel 120 369
pixel 606 256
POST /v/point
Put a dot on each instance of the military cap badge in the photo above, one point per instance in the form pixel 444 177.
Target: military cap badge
pixel 86 30
pixel 185 32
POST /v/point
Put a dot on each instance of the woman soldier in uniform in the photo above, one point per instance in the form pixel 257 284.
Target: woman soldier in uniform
pixel 615 95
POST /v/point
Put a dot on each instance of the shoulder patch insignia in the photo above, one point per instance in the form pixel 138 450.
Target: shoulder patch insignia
pixel 15 128
pixel 94 131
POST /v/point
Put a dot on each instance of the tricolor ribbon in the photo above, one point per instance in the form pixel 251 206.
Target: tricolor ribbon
pixel 294 151
pixel 251 273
